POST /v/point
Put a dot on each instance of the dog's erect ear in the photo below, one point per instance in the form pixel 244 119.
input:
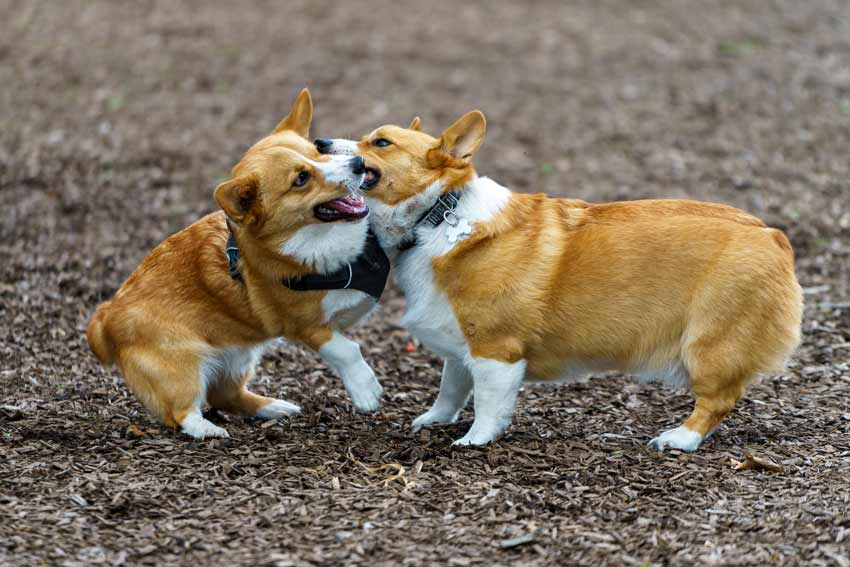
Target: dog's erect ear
pixel 415 125
pixel 463 138
pixel 299 117
pixel 238 198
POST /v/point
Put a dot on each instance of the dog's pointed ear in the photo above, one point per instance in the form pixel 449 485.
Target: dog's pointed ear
pixel 300 117
pixel 238 198
pixel 464 137
pixel 416 124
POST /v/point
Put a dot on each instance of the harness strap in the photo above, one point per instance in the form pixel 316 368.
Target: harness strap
pixel 368 273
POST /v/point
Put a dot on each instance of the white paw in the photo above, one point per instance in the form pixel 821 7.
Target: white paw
pixel 431 417
pixel 679 438
pixel 480 434
pixel 365 392
pixel 278 409
pixel 196 426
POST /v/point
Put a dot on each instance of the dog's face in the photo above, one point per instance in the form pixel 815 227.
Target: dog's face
pixel 283 184
pixel 279 190
pixel 407 169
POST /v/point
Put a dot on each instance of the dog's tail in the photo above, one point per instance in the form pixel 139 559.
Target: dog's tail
pixel 99 341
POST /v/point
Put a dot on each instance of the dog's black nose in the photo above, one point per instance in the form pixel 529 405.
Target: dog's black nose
pixel 358 165
pixel 324 145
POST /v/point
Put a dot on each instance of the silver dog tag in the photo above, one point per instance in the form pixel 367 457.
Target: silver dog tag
pixel 459 230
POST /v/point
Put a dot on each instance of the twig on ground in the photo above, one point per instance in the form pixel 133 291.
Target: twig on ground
pixel 751 462
pixel 393 466
pixel 517 541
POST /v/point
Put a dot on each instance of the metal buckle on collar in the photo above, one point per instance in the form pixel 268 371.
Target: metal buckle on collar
pixel 442 209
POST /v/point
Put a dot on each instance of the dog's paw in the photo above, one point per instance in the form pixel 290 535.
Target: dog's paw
pixel 481 434
pixel 473 439
pixel 680 438
pixel 277 409
pixel 365 392
pixel 432 417
pixel 194 425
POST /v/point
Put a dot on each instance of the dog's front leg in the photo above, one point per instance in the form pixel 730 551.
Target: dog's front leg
pixel 344 357
pixel 496 386
pixel 455 387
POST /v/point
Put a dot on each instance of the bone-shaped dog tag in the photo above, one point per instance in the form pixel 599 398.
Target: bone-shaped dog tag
pixel 458 231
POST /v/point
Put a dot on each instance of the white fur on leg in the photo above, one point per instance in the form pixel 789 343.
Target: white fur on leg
pixel 196 426
pixel 679 438
pixel 344 357
pixel 455 387
pixel 277 409
pixel 496 386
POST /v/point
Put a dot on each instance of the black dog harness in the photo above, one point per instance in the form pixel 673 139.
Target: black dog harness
pixel 368 273
pixel 434 216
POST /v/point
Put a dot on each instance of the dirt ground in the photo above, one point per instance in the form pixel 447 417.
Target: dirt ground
pixel 118 120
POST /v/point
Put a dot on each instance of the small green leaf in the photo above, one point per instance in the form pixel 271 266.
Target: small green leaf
pixel 115 102
pixel 738 48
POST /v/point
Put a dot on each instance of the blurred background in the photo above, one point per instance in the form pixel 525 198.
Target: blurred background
pixel 119 118
pixel 111 109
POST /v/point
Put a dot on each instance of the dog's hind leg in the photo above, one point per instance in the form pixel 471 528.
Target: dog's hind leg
pixel 710 408
pixel 234 397
pixel 173 387
pixel 746 320
pixel 719 371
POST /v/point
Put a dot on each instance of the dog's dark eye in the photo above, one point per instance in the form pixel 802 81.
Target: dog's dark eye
pixel 381 143
pixel 302 178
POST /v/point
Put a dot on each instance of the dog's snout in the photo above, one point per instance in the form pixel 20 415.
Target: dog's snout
pixel 358 165
pixel 324 145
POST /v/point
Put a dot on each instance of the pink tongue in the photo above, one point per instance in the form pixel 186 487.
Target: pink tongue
pixel 347 205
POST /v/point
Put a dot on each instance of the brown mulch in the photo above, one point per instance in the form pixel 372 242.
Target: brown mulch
pixel 118 120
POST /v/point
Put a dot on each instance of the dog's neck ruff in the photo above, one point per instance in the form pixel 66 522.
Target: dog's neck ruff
pixel 368 273
pixel 441 211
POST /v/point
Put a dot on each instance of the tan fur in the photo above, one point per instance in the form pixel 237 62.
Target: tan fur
pixel 563 283
pixel 181 302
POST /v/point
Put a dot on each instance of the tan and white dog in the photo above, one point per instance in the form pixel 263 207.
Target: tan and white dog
pixel 185 333
pixel 508 287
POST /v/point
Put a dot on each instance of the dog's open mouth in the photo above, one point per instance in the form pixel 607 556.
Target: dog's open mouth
pixel 347 208
pixel 370 179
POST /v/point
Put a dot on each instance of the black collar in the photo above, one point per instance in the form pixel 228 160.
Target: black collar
pixel 434 216
pixel 368 273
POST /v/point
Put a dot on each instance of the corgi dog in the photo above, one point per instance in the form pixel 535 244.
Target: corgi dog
pixel 188 326
pixel 510 287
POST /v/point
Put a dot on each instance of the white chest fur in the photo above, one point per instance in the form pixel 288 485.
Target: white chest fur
pixel 429 315
pixel 328 247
